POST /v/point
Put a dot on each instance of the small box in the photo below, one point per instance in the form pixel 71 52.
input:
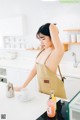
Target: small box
pixel 74 107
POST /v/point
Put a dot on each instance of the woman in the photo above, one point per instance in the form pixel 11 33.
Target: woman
pixel 47 62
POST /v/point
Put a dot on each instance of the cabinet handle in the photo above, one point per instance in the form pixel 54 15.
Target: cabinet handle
pixel 1 80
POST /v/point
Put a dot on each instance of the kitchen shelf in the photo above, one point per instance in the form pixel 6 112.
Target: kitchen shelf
pixel 72 30
pixel 73 36
pixel 69 43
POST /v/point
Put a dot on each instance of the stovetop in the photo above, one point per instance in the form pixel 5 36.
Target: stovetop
pixel 61 112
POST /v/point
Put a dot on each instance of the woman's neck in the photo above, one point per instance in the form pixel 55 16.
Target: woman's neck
pixel 49 48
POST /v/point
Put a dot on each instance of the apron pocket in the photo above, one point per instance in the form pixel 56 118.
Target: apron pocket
pixel 45 86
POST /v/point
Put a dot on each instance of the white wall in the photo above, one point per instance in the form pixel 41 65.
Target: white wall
pixel 66 15
pixel 11 26
pixel 38 12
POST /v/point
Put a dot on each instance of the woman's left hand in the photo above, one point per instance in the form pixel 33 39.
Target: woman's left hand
pixel 54 28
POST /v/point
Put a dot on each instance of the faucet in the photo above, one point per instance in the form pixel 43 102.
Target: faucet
pixel 75 60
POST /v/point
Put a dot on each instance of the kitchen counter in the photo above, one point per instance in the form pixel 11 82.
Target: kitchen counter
pixel 67 68
pixel 17 110
pixel 26 60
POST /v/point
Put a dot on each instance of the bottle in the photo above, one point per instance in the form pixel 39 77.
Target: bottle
pixel 51 108
pixel 53 98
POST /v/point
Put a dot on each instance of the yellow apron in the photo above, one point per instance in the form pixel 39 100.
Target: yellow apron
pixel 48 81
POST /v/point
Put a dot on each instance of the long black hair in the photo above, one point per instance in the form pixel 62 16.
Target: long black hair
pixel 44 29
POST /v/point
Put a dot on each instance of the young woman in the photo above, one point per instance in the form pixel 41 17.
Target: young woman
pixel 47 62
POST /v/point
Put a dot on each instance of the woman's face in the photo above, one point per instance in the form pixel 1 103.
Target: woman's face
pixel 45 41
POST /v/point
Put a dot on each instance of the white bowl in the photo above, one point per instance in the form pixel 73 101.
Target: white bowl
pixel 25 95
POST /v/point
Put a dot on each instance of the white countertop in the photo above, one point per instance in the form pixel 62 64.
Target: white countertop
pixel 17 110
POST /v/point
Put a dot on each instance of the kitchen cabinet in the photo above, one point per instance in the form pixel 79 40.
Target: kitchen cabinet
pixel 3 75
pixel 72 86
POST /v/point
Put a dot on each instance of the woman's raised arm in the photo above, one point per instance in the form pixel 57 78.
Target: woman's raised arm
pixel 54 33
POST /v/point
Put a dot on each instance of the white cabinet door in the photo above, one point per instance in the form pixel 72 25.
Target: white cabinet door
pixel 72 86
pixel 3 74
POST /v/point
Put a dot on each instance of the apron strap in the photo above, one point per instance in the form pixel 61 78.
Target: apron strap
pixel 62 78
pixel 47 57
pixel 40 52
